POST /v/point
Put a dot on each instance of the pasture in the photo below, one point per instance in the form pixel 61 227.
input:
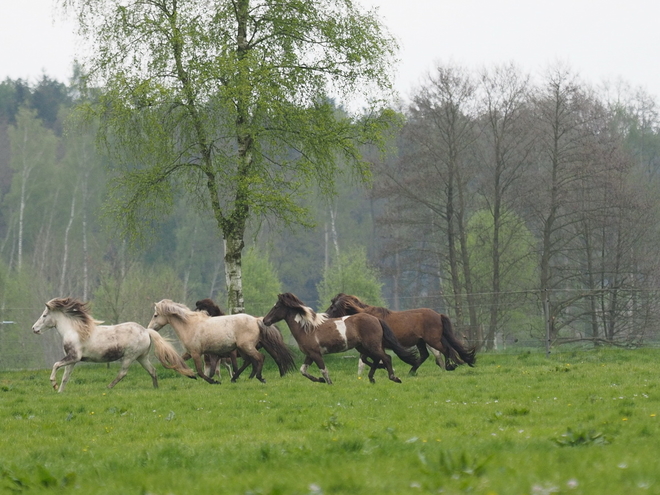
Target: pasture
pixel 578 422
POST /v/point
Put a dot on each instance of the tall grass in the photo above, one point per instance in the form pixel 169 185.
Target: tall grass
pixel 584 422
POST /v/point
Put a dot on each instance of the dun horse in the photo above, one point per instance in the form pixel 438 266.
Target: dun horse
pixel 413 327
pixel 316 335
pixel 220 335
pixel 211 362
pixel 84 339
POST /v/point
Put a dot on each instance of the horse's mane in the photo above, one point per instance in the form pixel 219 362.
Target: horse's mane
pixel 351 305
pixel 178 310
pixel 209 306
pixel 306 316
pixel 78 312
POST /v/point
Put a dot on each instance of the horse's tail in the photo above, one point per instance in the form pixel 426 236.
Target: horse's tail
pixel 390 342
pixel 460 353
pixel 273 342
pixel 167 354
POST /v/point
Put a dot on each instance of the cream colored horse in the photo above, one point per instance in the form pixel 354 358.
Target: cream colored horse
pixel 220 335
pixel 84 339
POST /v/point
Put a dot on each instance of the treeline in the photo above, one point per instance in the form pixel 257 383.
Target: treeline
pixel 529 208
pixel 523 209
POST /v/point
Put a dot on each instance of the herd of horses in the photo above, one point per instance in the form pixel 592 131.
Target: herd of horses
pixel 211 337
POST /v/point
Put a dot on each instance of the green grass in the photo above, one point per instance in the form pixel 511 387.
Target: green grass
pixel 583 422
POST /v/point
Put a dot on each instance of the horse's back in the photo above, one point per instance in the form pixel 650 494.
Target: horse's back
pixel 113 342
pixel 226 331
pixel 411 325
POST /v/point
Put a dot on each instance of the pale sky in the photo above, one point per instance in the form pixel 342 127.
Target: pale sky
pixel 599 39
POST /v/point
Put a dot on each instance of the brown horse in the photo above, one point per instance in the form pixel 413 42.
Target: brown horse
pixel 413 327
pixel 316 335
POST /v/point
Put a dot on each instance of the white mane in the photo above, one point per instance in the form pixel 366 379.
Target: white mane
pixel 309 319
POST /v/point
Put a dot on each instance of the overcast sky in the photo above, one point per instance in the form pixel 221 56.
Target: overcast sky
pixel 599 39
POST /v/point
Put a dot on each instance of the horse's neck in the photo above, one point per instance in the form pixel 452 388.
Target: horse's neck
pixel 67 330
pixel 183 330
pixel 294 324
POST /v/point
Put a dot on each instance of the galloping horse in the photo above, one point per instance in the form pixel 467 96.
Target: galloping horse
pixel 220 335
pixel 84 339
pixel 316 335
pixel 211 362
pixel 413 327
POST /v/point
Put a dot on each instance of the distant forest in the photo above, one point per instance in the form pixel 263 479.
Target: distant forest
pixel 524 209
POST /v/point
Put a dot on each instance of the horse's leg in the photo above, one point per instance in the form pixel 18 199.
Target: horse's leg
pixel 438 358
pixel 257 361
pixel 237 372
pixel 388 364
pixel 317 358
pixel 309 360
pixel 232 366
pixel 378 355
pixel 146 364
pixel 437 348
pixel 65 361
pixel 360 366
pixel 211 365
pixel 423 356
pixel 199 366
pixel 125 364
pixel 67 373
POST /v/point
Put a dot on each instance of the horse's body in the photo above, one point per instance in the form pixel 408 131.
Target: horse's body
pixel 220 335
pixel 317 335
pixel 413 327
pixel 211 362
pixel 84 339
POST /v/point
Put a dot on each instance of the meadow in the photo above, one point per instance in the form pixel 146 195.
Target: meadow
pixel 577 422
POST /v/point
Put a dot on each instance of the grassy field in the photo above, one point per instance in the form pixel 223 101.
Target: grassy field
pixel 583 422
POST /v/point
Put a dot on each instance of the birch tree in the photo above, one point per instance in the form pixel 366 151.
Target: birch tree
pixel 231 102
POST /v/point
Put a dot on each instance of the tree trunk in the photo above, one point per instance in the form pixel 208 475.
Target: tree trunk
pixel 65 255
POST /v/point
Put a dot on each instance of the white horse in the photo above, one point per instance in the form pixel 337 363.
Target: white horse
pixel 218 336
pixel 85 339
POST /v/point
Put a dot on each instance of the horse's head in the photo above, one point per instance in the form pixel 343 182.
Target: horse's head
pixel 344 305
pixel 72 309
pixel 166 311
pixel 209 306
pixel 288 303
pixel 161 315
pixel 44 322
pixel 279 311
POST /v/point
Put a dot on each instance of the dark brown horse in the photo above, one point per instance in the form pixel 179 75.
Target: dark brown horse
pixel 413 327
pixel 316 335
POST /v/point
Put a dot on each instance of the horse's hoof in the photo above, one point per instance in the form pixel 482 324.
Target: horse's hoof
pixel 395 379
pixel 320 380
pixel 193 377
pixel 262 380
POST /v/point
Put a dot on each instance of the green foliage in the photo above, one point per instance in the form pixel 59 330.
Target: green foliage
pixel 260 283
pixel 232 103
pixel 350 273
pixel 516 252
